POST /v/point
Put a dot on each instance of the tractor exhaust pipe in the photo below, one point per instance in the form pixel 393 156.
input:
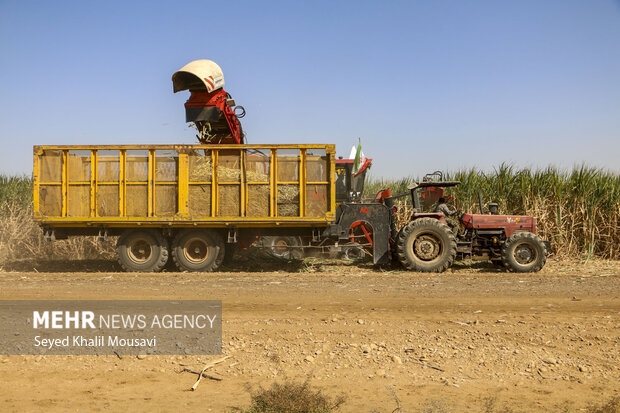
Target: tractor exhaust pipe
pixel 480 201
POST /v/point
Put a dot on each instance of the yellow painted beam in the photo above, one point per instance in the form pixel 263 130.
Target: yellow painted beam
pixel 184 147
pixel 122 178
pixel 151 181
pixel 331 152
pixel 183 185
pixel 273 200
pixel 243 187
pixel 36 177
pixel 65 180
pixel 302 183
pixel 214 182
pixel 172 221
pixel 93 183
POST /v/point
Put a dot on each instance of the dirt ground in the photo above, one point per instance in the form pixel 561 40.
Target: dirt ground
pixel 470 339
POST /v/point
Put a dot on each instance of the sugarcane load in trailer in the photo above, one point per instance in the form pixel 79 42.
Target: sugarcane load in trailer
pixel 196 204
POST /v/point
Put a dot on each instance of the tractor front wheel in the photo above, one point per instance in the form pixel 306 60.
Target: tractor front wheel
pixel 198 250
pixel 426 245
pixel 524 252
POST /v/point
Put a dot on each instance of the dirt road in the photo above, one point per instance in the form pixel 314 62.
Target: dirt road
pixel 465 340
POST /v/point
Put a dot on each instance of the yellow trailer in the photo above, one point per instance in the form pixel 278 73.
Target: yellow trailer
pixel 186 199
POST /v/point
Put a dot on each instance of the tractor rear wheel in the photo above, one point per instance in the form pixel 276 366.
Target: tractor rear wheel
pixel 524 252
pixel 198 250
pixel 426 245
pixel 142 251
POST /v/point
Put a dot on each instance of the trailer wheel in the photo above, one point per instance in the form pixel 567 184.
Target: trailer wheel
pixel 524 252
pixel 142 251
pixel 198 250
pixel 353 251
pixel 287 248
pixel 426 245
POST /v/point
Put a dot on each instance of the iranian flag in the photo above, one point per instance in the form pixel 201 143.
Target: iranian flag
pixel 358 156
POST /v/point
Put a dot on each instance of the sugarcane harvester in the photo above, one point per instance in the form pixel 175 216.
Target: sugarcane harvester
pixel 209 107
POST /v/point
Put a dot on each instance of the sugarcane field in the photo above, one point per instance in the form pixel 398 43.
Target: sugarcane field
pixel 399 207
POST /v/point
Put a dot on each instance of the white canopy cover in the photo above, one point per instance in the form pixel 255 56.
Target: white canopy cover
pixel 198 75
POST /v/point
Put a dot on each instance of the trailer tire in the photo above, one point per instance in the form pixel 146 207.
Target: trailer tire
pixel 524 252
pixel 353 252
pixel 198 250
pixel 142 251
pixel 426 245
pixel 284 247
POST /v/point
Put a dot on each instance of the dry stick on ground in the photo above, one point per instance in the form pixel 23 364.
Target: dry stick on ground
pixel 549 378
pixel 460 323
pixel 398 408
pixel 421 363
pixel 205 375
pixel 208 366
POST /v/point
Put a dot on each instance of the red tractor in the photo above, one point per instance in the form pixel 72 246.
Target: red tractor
pixel 430 241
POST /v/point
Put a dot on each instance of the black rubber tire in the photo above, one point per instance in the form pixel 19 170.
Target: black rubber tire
pixel 440 232
pixel 394 261
pixel 209 252
pixel 533 244
pixel 277 247
pixel 142 251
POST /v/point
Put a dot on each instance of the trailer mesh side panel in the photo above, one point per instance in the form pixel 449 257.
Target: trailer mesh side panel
pixel 199 183
pixel 200 201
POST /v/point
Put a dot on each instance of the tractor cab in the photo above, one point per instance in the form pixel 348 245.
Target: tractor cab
pixel 425 194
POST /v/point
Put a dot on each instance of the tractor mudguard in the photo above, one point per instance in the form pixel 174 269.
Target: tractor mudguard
pixel 437 215
pixel 374 214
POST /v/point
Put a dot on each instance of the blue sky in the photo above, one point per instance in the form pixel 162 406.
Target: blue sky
pixel 427 85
